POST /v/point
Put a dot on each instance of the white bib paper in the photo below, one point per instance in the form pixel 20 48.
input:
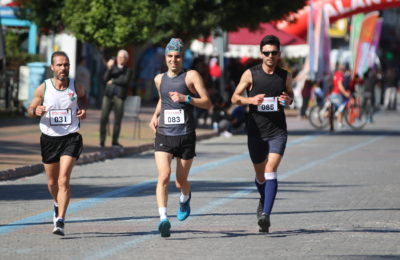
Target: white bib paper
pixel 174 116
pixel 269 104
pixel 60 116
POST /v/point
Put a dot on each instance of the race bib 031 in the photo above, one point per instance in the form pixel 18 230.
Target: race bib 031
pixel 60 116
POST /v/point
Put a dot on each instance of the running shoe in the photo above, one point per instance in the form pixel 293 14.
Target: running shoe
pixel 55 215
pixel 260 208
pixel 164 228
pixel 59 228
pixel 264 223
pixel 184 209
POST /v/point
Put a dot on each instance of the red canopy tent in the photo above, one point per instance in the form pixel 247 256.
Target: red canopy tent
pixel 244 43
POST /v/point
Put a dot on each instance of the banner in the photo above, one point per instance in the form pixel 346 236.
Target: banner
pixel 365 42
pixel 336 9
pixel 322 46
pixel 356 22
pixel 375 42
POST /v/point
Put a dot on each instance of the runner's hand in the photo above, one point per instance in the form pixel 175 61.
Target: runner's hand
pixel 153 124
pixel 177 97
pixel 40 110
pixel 81 113
pixel 284 99
pixel 257 100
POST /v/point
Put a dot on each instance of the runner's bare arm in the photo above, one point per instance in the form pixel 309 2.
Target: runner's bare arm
pixel 36 109
pixel 82 101
pixel 154 120
pixel 288 95
pixel 245 83
pixel 196 86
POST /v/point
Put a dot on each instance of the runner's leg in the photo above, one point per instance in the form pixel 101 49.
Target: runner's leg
pixel 163 162
pixel 64 193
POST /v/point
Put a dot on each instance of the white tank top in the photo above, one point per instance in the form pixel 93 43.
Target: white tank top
pixel 61 107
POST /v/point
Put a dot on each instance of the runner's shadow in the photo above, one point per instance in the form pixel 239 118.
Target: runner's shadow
pixel 220 234
pixel 297 232
pixel 90 235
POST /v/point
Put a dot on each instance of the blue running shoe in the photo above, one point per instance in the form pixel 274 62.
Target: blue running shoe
pixel 184 209
pixel 164 228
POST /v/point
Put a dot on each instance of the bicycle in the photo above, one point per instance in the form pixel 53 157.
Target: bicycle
pixel 354 114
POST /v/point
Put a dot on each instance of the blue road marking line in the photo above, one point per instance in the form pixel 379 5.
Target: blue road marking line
pixel 114 249
pixel 83 204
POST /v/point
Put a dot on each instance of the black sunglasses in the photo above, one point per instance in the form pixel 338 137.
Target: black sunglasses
pixel 267 53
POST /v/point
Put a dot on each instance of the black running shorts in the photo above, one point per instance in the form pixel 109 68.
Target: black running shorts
pixel 53 147
pixel 259 148
pixel 181 146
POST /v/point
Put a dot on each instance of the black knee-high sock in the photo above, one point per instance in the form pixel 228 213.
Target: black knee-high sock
pixel 261 189
pixel 271 187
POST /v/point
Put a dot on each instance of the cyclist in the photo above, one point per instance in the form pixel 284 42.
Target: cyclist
pixel 339 93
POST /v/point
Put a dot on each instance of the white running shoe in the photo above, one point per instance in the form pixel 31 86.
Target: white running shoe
pixel 59 228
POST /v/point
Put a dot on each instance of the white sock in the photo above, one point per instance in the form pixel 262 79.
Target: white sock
pixel 163 213
pixel 183 198
pixel 55 204
pixel 270 175
pixel 259 182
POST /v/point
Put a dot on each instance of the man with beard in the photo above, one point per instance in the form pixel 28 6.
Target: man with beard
pixel 61 104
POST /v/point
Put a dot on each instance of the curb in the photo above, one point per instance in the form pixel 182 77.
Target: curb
pixel 110 153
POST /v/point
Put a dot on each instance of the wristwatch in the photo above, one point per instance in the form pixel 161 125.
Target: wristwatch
pixel 188 99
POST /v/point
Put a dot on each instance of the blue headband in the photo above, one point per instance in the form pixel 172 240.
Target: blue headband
pixel 174 44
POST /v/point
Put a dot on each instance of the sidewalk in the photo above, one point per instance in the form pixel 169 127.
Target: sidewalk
pixel 20 149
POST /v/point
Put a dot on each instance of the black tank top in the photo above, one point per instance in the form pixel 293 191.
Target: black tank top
pixel 267 124
pixel 175 118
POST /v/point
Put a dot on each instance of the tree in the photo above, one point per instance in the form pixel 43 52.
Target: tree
pixel 117 23
pixel 109 23
pixel 46 14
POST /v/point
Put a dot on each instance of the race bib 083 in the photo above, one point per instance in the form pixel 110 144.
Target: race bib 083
pixel 174 116
pixel 269 104
pixel 60 116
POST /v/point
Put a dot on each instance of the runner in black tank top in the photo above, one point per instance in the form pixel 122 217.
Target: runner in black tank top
pixel 269 89
pixel 173 124
pixel 272 85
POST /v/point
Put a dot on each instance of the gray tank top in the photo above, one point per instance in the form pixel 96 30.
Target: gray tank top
pixel 175 118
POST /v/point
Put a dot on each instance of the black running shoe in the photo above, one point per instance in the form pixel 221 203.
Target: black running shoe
pixel 264 223
pixel 59 228
pixel 260 208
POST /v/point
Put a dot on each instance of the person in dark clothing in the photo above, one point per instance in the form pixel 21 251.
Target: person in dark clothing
pixel 117 78
pixel 269 89
pixel 306 94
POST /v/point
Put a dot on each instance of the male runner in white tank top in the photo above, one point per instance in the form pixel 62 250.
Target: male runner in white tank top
pixel 173 123
pixel 61 104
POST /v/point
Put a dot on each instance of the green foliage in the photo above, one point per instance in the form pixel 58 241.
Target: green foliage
pixel 14 54
pixel 117 23
pixel 109 23
pixel 46 14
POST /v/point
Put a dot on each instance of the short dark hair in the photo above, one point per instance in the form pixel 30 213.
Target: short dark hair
pixel 270 40
pixel 58 53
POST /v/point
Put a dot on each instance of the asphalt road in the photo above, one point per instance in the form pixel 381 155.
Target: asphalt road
pixel 338 198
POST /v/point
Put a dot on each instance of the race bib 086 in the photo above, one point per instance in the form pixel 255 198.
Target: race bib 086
pixel 60 116
pixel 174 116
pixel 269 104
